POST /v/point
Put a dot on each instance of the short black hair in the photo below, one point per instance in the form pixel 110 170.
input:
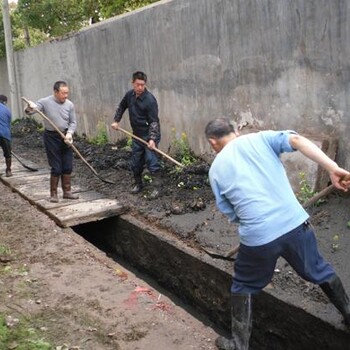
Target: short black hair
pixel 58 85
pixel 218 128
pixel 139 75
pixel 3 99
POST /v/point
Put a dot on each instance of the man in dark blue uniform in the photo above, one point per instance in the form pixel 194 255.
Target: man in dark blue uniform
pixel 144 121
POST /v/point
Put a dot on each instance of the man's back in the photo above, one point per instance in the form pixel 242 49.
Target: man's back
pixel 5 122
pixel 248 178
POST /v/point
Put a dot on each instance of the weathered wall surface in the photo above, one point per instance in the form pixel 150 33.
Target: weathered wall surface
pixel 278 64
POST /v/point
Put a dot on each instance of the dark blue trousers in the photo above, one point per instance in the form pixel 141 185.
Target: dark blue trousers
pixel 6 147
pixel 59 154
pixel 141 156
pixel 254 266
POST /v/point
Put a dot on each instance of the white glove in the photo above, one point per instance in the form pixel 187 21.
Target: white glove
pixel 68 139
pixel 32 105
pixel 115 125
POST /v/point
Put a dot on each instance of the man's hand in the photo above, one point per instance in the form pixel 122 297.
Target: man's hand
pixel 151 144
pixel 115 125
pixel 340 179
pixel 30 107
pixel 337 175
pixel 68 138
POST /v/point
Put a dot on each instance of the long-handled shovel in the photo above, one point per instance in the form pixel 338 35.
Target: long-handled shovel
pixel 73 147
pixel 24 165
pixel 154 149
pixel 229 255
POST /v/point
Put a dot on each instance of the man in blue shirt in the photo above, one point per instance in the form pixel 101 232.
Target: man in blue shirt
pixel 251 187
pixel 144 121
pixel 5 133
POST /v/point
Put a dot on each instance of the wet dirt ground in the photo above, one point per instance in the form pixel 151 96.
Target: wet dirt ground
pixel 74 297
pixel 186 209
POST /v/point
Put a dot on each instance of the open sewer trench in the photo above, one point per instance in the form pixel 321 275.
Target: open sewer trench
pixel 202 285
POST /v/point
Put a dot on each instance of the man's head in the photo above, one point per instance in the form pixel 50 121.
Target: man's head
pixel 139 80
pixel 61 91
pixel 3 99
pixel 219 132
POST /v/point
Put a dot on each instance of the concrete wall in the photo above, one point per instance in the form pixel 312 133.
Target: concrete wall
pixel 277 64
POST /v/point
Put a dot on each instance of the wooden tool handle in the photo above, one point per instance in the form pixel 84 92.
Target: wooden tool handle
pixel 154 149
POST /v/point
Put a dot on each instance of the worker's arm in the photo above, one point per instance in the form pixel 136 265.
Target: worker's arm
pixel 313 152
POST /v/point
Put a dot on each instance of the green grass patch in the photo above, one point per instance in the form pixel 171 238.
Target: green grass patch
pixel 18 334
pixel 101 137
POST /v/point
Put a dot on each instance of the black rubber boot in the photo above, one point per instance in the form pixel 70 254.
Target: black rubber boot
pixel 156 185
pixel 8 167
pixel 66 187
pixel 335 291
pixel 138 186
pixel 53 188
pixel 241 324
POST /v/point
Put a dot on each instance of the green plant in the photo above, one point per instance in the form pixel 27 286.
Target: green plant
pixel 181 149
pixel 335 244
pixel 128 145
pixel 129 142
pixel 23 270
pixel 6 269
pixel 101 138
pixel 16 121
pixel 4 250
pixel 306 191
pixel 147 178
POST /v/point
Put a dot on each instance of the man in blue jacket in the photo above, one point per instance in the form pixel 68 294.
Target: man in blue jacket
pixel 144 121
pixel 5 133
pixel 251 188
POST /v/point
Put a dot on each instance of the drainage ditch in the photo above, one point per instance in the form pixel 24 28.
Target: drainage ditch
pixel 201 284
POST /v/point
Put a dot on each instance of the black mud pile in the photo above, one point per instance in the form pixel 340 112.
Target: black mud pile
pixel 184 190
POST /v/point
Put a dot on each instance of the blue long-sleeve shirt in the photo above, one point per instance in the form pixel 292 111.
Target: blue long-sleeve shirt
pixel 251 187
pixel 5 122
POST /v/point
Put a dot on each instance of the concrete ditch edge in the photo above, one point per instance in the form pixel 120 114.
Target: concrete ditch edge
pixel 183 270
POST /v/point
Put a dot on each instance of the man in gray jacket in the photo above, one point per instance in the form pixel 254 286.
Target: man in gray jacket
pixel 61 112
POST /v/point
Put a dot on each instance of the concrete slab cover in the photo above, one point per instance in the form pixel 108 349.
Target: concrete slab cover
pixel 77 214
pixel 45 204
pixel 18 169
pixel 25 178
pixel 34 186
